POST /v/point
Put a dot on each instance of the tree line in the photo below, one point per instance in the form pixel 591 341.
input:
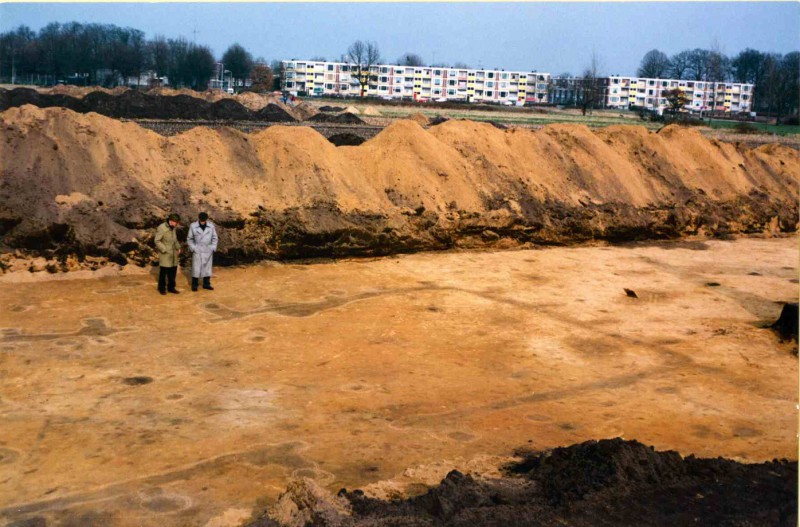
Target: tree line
pixel 105 55
pixel 776 77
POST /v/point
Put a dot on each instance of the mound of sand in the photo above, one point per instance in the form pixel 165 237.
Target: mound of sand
pixel 352 109
pixel 371 112
pixel 287 191
pixel 419 118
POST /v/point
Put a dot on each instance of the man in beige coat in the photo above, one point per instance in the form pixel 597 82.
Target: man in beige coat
pixel 169 249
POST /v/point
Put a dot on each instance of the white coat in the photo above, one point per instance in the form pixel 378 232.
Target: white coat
pixel 202 243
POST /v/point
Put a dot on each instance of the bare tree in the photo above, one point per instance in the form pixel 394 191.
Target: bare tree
pixel 362 56
pixel 591 89
pixel 410 59
pixel 679 64
pixel 654 65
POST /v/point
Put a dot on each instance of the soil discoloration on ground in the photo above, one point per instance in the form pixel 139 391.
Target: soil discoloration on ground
pixel 343 372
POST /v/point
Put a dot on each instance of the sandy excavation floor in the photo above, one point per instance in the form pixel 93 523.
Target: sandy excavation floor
pixel 122 407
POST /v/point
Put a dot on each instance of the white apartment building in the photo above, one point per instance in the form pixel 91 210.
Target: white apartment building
pixel 624 92
pixel 417 82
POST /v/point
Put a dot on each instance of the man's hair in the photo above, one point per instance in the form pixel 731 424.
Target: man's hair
pixel 202 216
pixel 173 217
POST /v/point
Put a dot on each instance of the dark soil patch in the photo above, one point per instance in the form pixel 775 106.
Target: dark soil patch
pixel 597 483
pixel 346 139
pixel 342 118
pixel 137 381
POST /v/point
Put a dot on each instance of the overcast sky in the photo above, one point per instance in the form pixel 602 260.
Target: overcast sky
pixel 551 37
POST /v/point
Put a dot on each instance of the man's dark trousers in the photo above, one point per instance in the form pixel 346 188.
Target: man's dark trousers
pixel 166 278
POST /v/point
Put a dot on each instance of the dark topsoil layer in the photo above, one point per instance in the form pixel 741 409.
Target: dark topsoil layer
pixel 324 231
pixel 134 104
pixel 597 483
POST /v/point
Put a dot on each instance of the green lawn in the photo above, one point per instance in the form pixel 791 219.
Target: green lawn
pixel 762 128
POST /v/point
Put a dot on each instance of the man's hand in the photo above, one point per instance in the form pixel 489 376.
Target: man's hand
pixel 179 251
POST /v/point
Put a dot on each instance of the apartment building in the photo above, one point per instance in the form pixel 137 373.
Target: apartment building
pixel 417 82
pixel 624 92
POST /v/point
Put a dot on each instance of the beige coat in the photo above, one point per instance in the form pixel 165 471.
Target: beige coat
pixel 167 245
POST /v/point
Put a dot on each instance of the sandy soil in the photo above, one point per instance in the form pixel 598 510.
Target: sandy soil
pixel 122 407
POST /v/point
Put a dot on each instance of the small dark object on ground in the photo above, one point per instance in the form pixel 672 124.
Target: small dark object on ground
pixel 331 109
pixel 712 284
pixel 439 119
pixel 137 381
pixel 631 293
pixel 499 126
pixel 787 323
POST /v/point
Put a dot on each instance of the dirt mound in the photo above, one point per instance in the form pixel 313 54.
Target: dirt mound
pixel 101 186
pixel 606 483
pixel 352 109
pixel 331 109
pixel 341 118
pixel 304 111
pixel 346 139
pixel 160 103
pixel 419 118
pixel 371 112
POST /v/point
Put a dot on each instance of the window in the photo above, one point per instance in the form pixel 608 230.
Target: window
pixel 384 88
pixel 289 84
pixel 329 86
pixel 649 92
pixel 614 99
pixel 489 84
pixel 615 81
pixel 652 83
pixel 330 67
pixel 397 90
pixel 384 70
pixel 503 94
pixel 437 82
pixel 489 93
pixel 490 75
pixel 384 79
pixel 745 97
pixel 343 87
pixel 504 85
pixel 504 76
pixel 451 82
pixel 437 91
pixel 542 86
pixel 451 92
pixel 437 72
pixel 664 84
pixel 329 76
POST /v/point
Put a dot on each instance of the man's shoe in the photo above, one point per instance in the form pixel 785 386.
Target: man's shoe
pixel 194 288
pixel 207 284
pixel 163 292
pixel 195 283
pixel 174 291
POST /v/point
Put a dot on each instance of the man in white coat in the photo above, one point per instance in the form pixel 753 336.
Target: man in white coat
pixel 202 242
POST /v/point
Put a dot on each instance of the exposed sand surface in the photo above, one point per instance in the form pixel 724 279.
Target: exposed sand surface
pixel 120 407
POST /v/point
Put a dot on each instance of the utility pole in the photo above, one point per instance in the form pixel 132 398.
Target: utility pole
pixel 194 35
